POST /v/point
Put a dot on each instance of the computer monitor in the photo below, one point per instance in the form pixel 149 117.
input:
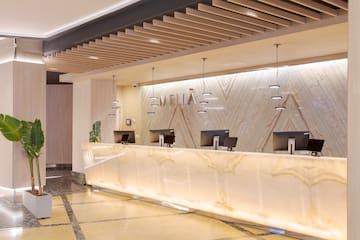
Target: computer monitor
pixel 158 135
pixel 169 140
pixel 290 141
pixel 230 143
pixel 124 136
pixel 315 146
pixel 214 138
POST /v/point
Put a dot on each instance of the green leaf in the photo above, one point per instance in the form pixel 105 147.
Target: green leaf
pixel 37 136
pixel 26 131
pixel 10 127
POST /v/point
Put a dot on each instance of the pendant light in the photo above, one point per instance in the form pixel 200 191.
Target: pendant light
pixel 276 85
pixel 153 98
pixel 204 92
pixel 115 102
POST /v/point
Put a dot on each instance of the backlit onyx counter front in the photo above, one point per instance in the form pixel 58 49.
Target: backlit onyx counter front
pixel 299 193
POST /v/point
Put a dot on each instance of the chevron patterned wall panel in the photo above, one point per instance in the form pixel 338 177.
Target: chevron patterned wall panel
pixel 314 95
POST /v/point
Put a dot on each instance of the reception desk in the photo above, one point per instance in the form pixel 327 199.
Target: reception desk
pixel 293 192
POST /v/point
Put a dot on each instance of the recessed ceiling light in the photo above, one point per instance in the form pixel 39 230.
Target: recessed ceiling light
pixel 280 108
pixel 251 13
pixel 93 57
pixel 153 40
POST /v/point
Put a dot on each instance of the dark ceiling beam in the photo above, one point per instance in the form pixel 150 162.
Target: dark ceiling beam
pixel 139 12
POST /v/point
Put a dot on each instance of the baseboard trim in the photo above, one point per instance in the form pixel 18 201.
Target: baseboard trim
pixel 59 166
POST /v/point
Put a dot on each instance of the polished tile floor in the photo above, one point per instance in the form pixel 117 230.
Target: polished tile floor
pixel 82 213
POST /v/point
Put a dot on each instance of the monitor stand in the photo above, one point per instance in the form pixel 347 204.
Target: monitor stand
pixel 291 145
pixel 161 140
pixel 315 154
pixel 216 140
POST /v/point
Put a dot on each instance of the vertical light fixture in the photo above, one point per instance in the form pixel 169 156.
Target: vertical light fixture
pixel 204 92
pixel 115 101
pixel 276 86
pixel 153 98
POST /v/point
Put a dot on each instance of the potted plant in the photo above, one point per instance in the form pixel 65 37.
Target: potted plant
pixel 95 133
pixel 31 137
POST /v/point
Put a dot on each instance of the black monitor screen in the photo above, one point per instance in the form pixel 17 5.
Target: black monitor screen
pixel 207 136
pixel 155 133
pixel 169 139
pixel 280 140
pixel 230 142
pixel 124 136
pixel 315 145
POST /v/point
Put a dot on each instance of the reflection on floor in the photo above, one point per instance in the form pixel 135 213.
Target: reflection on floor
pixel 81 213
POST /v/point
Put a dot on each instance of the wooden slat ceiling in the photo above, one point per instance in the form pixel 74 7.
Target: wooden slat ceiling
pixel 192 28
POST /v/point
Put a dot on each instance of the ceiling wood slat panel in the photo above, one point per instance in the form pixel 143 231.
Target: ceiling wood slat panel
pixel 253 13
pixel 108 54
pixel 109 45
pixel 158 35
pixel 271 10
pixel 192 27
pixel 104 58
pixel 294 8
pixel 338 3
pixel 163 31
pixel 204 33
pixel 236 29
pixel 166 30
pixel 112 50
pixel 195 15
pixel 126 39
pixel 317 6
pixel 115 41
pixel 238 17
pixel 170 43
pixel 212 29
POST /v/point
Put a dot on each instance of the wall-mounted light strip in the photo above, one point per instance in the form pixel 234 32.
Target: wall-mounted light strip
pixel 21 60
pixel 278 97
pixel 274 86
pixel 214 108
pixel 202 111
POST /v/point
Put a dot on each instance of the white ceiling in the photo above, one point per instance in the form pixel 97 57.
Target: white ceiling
pixel 45 18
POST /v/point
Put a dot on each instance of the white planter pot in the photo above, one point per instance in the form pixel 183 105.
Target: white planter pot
pixel 40 206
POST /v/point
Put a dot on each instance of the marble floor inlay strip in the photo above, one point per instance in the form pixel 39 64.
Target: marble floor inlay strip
pixel 75 224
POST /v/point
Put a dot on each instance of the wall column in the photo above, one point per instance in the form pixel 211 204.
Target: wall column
pixel 92 101
pixel 23 95
pixel 353 122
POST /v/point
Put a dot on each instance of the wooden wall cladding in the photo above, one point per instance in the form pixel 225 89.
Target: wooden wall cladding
pixel 315 98
pixel 59 124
